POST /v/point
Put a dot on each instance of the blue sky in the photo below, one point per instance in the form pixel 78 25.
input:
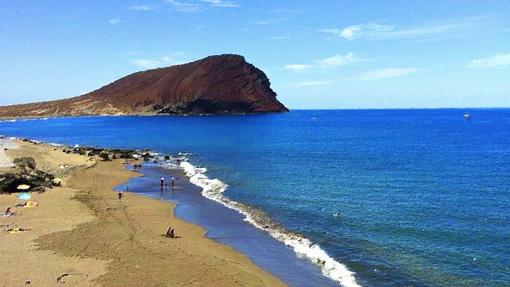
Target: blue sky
pixel 317 54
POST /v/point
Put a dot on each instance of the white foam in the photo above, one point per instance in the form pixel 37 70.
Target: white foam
pixel 303 247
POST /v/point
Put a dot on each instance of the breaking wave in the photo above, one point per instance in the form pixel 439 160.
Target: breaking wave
pixel 303 247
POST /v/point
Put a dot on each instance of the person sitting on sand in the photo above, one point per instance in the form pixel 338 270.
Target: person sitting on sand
pixel 170 233
pixel 9 211
pixel 28 204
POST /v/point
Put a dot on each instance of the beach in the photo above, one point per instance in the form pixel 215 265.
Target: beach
pixel 80 234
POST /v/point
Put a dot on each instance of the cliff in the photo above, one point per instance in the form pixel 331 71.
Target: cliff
pixel 220 84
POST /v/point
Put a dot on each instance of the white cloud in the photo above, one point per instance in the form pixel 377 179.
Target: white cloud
pixel 432 30
pixel 175 58
pixel 140 8
pixel 494 61
pixel 187 7
pixel 356 31
pixel 297 67
pixel 311 83
pixel 339 60
pixel 196 6
pixel 114 21
pixel 387 73
pixel 146 64
pixel 278 38
pixel 270 21
pixel 221 3
pixel 331 62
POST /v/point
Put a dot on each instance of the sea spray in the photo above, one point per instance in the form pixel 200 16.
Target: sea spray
pixel 303 247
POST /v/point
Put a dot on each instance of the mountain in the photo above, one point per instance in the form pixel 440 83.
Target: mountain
pixel 221 84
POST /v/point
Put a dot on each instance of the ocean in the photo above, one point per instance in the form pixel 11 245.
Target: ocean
pixel 372 197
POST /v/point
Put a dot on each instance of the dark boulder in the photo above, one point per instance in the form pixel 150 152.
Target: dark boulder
pixel 37 180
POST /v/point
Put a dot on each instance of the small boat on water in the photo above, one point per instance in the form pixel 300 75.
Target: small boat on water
pixel 467 116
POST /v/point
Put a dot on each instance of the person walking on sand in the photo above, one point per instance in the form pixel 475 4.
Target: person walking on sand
pixel 120 193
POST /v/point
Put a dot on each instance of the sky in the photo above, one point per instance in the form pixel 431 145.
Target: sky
pixel 317 54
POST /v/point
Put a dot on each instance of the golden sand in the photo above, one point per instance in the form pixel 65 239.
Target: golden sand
pixel 82 235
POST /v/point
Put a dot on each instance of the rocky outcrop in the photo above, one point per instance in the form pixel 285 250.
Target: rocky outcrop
pixel 220 84
pixel 27 174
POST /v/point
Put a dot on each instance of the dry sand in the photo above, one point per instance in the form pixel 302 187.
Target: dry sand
pixel 81 235
pixel 5 161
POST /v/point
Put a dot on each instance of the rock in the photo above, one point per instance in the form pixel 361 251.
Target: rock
pixel 106 156
pixel 147 156
pixel 56 182
pixel 25 162
pixel 37 180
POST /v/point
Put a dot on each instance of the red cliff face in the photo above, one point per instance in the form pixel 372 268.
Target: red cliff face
pixel 214 85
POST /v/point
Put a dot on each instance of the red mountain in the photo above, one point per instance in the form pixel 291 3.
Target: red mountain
pixel 220 84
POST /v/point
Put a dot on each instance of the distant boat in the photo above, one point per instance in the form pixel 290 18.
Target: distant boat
pixel 467 116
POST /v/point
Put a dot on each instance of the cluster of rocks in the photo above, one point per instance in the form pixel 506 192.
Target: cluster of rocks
pixel 110 154
pixel 27 174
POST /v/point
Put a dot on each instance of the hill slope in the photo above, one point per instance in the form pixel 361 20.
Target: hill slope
pixel 214 85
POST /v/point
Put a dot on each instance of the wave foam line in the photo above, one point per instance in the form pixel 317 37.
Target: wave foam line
pixel 303 247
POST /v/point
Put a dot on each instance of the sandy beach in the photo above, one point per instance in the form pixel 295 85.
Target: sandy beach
pixel 82 235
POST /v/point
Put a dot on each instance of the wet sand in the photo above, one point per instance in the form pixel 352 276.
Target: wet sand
pixel 82 235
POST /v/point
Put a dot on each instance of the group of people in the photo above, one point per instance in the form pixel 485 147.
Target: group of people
pixel 164 185
pixel 170 232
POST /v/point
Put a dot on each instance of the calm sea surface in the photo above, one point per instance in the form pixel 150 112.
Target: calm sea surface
pixel 401 197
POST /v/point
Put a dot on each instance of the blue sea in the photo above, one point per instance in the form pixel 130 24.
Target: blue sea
pixel 396 197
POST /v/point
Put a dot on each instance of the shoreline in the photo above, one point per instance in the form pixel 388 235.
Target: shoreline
pixel 212 190
pixel 301 247
pixel 228 226
pixel 111 243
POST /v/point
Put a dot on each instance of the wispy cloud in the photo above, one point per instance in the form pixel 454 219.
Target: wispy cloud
pixel 434 30
pixel 221 3
pixel 279 38
pixel 387 73
pixel 146 64
pixel 140 8
pixel 297 67
pixel 271 21
pixel 490 62
pixel 196 6
pixel 187 7
pixel 114 21
pixel 175 58
pixel 311 83
pixel 339 60
pixel 356 31
pixel 330 62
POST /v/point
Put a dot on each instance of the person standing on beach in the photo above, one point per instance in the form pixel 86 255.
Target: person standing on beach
pixel 120 194
pixel 173 184
pixel 162 182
